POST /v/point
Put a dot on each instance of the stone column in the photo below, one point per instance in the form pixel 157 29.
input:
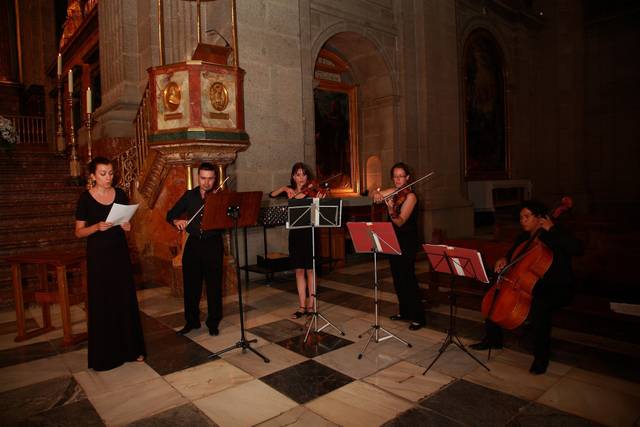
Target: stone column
pixel 119 68
pixel 437 122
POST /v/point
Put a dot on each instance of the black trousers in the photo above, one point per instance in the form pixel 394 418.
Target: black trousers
pixel 540 318
pixel 403 270
pixel 202 261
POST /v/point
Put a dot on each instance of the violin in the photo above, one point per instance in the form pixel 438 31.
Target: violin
pixel 508 301
pixel 316 189
pixel 397 200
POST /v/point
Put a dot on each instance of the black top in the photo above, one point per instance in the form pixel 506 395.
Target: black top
pixel 92 212
pixel 559 279
pixel 189 204
pixel 411 224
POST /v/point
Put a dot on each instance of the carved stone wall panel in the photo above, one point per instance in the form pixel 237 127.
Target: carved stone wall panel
pixel 172 100
pixel 218 100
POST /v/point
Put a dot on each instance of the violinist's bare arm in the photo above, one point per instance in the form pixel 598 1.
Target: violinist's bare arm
pixel 378 195
pixel 82 230
pixel 284 189
pixel 405 210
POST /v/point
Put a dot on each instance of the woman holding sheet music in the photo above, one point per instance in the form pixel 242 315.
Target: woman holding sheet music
pixel 300 240
pixel 115 333
pixel 403 213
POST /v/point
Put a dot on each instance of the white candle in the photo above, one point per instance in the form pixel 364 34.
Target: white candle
pixel 59 65
pixel 89 109
pixel 70 81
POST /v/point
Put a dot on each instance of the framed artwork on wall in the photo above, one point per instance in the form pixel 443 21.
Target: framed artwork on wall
pixel 486 147
pixel 336 136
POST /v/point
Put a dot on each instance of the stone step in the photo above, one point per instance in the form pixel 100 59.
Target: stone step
pixel 11 198
pixel 37 210
pixel 17 224
pixel 37 233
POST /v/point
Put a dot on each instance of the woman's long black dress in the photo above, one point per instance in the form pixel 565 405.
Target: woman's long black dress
pixel 115 333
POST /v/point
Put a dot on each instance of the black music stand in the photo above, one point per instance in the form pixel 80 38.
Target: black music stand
pixel 456 262
pixel 312 213
pixel 230 210
pixel 376 238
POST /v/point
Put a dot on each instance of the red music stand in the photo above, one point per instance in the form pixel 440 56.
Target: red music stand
pixel 455 262
pixel 376 238
pixel 230 210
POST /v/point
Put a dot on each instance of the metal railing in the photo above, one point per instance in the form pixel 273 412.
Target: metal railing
pixel 31 130
pixel 129 163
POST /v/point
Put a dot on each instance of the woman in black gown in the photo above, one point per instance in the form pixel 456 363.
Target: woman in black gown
pixel 403 214
pixel 115 333
pixel 300 240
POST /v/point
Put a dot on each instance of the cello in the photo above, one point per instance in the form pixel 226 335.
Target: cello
pixel 508 301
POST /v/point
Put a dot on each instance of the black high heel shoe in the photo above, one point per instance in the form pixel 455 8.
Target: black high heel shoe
pixel 298 314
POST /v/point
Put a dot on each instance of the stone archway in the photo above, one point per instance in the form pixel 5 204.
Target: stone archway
pixel 368 71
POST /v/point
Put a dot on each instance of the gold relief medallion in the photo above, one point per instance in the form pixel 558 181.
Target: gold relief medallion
pixel 171 96
pixel 219 96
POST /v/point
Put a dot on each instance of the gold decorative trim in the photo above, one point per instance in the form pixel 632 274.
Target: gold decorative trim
pixel 173 116
pixel 218 96
pixel 171 96
pixel 219 116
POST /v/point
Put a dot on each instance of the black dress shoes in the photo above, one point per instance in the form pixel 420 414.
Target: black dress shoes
pixel 214 332
pixel 414 326
pixel 485 344
pixel 186 329
pixel 539 367
pixel 396 317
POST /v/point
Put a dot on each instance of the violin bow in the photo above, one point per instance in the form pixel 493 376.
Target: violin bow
pixel 202 207
pixel 388 196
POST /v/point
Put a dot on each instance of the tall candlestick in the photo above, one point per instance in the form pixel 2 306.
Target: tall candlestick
pixel 70 81
pixel 89 105
pixel 59 65
pixel 74 162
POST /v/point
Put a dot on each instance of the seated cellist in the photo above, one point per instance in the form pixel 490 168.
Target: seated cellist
pixel 551 292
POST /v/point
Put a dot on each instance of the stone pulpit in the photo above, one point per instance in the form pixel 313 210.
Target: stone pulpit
pixel 196 113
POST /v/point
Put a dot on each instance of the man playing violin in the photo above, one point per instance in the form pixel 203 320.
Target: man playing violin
pixel 203 254
pixel 403 213
pixel 551 292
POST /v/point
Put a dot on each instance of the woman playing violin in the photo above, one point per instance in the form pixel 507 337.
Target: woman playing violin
pixel 300 240
pixel 403 213
pixel 552 291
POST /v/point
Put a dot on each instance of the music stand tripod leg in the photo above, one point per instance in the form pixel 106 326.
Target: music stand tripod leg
pixel 376 327
pixel 243 343
pixel 452 335
pixel 316 314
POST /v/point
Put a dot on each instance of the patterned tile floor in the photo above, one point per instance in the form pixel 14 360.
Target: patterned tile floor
pixel 318 383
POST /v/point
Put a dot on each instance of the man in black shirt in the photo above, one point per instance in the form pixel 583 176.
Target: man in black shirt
pixel 552 291
pixel 202 257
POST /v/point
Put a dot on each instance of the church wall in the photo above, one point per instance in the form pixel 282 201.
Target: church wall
pixel 555 161
pixel 612 108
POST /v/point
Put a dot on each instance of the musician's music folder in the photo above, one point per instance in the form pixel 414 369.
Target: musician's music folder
pixel 464 262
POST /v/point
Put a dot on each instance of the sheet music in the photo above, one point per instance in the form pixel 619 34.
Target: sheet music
pixel 120 214
pixel 457 265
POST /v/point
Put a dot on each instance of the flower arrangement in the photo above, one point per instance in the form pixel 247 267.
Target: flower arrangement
pixel 8 135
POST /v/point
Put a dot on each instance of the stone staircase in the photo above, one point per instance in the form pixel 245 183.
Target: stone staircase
pixel 37 207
